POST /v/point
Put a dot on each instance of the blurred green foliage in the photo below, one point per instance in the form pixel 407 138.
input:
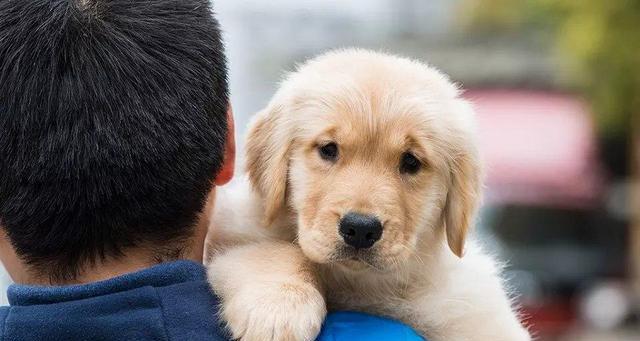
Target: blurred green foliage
pixel 597 40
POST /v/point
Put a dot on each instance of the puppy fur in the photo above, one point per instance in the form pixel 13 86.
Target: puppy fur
pixel 277 259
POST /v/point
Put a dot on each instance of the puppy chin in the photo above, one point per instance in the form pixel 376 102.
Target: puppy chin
pixel 359 265
pixel 353 265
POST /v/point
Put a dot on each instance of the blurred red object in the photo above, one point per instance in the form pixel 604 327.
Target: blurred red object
pixel 551 319
pixel 541 153
pixel 539 148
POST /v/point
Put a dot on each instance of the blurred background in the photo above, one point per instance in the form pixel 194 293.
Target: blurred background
pixel 556 86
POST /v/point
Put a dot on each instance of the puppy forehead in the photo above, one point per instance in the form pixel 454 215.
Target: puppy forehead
pixel 357 116
pixel 395 129
pixel 361 96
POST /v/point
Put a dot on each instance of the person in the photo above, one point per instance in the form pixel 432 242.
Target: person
pixel 115 129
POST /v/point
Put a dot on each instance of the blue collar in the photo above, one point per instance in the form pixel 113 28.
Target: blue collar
pixel 161 275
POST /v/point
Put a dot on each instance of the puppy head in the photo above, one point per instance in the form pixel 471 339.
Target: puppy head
pixel 374 154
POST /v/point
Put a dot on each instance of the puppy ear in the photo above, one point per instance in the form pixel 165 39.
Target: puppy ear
pixel 267 159
pixel 463 197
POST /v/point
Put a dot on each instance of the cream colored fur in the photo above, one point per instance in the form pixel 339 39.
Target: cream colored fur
pixel 276 258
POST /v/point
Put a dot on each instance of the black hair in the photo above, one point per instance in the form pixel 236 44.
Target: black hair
pixel 112 125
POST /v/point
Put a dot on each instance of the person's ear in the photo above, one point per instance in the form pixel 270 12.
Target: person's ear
pixel 228 167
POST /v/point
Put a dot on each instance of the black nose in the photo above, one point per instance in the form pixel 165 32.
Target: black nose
pixel 359 230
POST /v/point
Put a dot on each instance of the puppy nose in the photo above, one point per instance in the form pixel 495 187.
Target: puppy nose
pixel 359 230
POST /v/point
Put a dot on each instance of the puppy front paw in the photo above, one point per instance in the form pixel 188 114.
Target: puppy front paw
pixel 275 311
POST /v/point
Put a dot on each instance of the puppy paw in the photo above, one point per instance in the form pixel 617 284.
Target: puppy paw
pixel 278 312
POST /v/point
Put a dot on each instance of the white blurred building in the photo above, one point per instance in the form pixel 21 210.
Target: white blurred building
pixel 267 38
pixel 4 283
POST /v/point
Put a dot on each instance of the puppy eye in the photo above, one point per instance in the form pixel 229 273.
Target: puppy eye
pixel 329 151
pixel 409 164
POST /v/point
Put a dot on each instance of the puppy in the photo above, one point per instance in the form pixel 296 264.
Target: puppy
pixel 364 182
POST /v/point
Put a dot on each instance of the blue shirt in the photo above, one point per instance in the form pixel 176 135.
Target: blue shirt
pixel 170 301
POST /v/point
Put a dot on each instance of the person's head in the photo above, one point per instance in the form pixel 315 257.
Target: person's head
pixel 113 123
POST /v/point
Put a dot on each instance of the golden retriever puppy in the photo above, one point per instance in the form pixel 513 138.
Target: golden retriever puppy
pixel 364 182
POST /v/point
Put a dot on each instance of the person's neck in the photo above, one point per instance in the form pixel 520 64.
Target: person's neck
pixel 132 261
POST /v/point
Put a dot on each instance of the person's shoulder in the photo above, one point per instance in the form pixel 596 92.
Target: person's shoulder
pixel 190 311
pixel 358 326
